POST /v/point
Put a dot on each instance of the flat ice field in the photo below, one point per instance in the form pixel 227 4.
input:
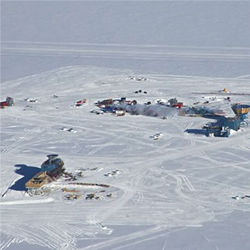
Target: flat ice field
pixel 161 187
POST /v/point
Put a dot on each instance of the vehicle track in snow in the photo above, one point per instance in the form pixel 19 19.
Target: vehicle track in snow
pixel 139 178
pixel 135 236
pixel 50 126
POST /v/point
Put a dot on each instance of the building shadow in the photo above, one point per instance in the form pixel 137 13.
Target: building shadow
pixel 27 172
pixel 219 121
pixel 196 131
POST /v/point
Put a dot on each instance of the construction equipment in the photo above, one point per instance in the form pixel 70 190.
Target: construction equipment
pixel 72 197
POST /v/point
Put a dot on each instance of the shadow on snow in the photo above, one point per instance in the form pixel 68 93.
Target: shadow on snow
pixel 28 172
pixel 196 131
pixel 219 122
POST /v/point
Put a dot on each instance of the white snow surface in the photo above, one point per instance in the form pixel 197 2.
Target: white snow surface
pixel 206 38
pixel 176 192
pixel 181 180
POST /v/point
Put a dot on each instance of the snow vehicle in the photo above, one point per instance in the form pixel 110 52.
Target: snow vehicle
pixel 120 112
pixel 51 170
pixel 80 102
pixel 156 136
pixel 72 197
pixel 98 112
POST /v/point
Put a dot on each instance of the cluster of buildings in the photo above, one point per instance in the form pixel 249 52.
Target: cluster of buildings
pixel 221 128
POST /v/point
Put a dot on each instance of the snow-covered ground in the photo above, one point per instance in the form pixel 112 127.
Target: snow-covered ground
pixel 177 181
pixel 206 38
pixel 177 192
